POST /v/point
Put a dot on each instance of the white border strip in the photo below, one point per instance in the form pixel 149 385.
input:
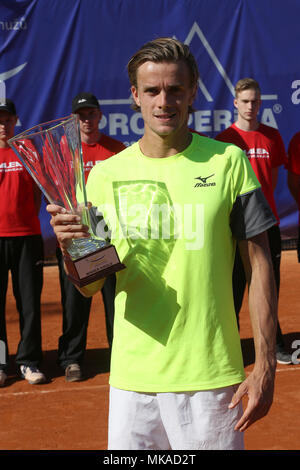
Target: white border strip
pixel 77 388
pixel 57 390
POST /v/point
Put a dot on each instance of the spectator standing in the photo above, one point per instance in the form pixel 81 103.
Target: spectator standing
pixel 265 150
pixel 96 147
pixel 293 167
pixel 21 251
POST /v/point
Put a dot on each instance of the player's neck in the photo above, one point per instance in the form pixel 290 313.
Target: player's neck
pixel 92 138
pixel 247 125
pixel 156 146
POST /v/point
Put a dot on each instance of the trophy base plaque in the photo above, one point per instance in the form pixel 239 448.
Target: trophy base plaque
pixel 93 266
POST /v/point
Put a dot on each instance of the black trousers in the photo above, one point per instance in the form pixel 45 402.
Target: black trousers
pixel 76 312
pixel 239 279
pixel 23 257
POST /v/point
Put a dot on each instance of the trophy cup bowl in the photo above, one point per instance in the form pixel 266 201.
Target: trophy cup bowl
pixel 52 154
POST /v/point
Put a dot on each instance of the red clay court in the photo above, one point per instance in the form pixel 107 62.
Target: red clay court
pixel 73 416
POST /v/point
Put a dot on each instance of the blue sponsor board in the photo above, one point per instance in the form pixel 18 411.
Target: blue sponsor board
pixel 50 50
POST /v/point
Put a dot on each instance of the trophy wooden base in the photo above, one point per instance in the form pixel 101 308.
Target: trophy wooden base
pixel 93 266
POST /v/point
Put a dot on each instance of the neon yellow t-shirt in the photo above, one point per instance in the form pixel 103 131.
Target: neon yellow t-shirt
pixel 175 326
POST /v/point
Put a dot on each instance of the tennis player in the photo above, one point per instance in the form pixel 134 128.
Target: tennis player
pixel 177 203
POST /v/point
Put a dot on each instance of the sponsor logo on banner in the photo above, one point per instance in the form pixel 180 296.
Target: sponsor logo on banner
pixel 5 76
pixel 208 120
pixel 2 92
pixel 295 94
pixel 10 73
pixel 14 25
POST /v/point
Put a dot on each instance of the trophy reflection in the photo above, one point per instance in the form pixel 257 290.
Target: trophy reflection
pixel 52 154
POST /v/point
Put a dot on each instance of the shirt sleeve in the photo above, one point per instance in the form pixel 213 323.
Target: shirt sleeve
pixel 251 215
pixel 243 178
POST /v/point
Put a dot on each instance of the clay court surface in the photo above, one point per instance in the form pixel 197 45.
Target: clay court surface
pixel 73 416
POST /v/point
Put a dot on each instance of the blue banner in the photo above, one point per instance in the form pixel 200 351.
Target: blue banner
pixel 52 49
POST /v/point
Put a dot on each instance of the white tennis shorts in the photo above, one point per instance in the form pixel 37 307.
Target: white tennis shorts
pixel 173 421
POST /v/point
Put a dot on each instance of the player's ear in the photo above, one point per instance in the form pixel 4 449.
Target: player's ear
pixel 135 95
pixel 235 102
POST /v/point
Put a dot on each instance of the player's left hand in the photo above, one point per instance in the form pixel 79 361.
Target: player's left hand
pixel 259 388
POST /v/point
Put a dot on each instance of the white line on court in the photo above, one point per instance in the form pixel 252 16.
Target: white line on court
pixel 286 369
pixel 93 387
pixel 57 390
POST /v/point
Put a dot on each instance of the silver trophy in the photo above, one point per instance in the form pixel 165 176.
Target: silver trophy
pixel 52 154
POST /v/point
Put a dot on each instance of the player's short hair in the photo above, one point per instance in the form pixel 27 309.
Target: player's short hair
pixel 162 50
pixel 246 84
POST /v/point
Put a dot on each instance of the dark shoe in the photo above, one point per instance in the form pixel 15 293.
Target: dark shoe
pixel 283 357
pixel 73 373
pixel 3 377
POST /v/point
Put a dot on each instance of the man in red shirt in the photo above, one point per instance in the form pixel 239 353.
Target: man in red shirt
pixel 293 167
pixel 21 252
pixel 265 150
pixel 96 147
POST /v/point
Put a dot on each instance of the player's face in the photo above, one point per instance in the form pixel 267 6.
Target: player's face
pixel 7 125
pixel 164 94
pixel 89 119
pixel 248 103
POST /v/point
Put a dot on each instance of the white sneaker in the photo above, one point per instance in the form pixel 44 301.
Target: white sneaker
pixel 3 377
pixel 32 374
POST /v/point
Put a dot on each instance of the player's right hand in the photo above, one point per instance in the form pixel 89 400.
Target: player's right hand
pixel 66 226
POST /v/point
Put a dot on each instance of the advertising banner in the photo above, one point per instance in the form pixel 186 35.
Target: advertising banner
pixel 50 50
